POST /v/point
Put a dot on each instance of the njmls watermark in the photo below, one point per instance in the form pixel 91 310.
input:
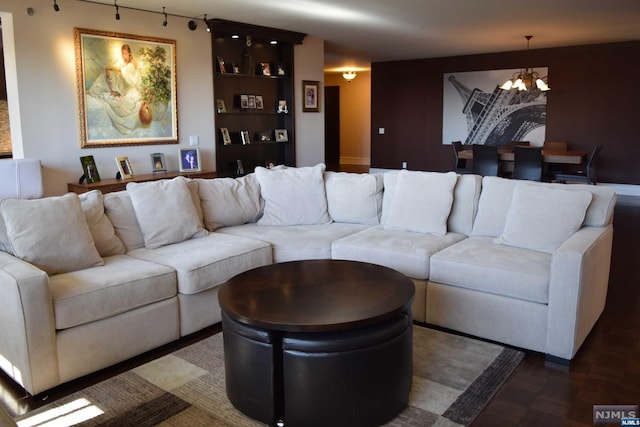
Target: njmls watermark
pixel 623 415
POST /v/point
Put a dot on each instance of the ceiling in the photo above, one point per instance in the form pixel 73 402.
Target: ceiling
pixel 357 32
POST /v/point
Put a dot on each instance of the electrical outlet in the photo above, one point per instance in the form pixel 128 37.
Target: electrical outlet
pixel 194 140
pixel 404 165
pixel 380 131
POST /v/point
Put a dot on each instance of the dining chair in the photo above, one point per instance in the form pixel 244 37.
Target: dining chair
pixel 460 165
pixel 485 160
pixel 588 175
pixel 527 163
pixel 555 145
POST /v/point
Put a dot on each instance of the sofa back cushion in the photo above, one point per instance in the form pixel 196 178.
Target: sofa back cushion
pixel 497 193
pixel 119 210
pixel 50 233
pixel 465 201
pixel 354 198
pixel 104 235
pixel 422 202
pixel 542 218
pixel 166 211
pixel 293 196
pixel 228 201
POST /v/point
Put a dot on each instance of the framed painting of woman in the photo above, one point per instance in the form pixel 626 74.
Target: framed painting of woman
pixel 126 89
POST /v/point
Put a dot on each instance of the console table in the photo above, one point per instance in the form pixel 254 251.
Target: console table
pixel 111 185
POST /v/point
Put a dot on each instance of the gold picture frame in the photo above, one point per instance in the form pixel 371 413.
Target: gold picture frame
pixel 121 99
pixel 124 167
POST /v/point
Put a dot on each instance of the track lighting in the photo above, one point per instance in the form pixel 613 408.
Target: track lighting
pixel 164 23
pixel 55 6
pixel 192 25
pixel 117 11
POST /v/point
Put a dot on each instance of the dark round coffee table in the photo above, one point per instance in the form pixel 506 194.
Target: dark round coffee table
pixel 318 342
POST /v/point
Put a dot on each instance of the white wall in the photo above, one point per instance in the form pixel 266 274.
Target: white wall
pixel 47 99
pixel 309 65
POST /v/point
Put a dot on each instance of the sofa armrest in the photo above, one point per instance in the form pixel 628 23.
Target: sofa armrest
pixel 27 336
pixel 577 289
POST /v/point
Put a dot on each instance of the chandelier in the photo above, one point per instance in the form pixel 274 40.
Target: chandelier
pixel 526 79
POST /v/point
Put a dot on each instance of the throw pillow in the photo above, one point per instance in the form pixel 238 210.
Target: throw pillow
pixel 543 218
pixel 421 202
pixel 102 231
pixel 293 196
pixel 50 233
pixel 165 211
pixel 228 201
pixel 119 210
pixel 353 197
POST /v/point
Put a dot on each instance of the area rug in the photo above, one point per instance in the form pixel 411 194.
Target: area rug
pixel 454 377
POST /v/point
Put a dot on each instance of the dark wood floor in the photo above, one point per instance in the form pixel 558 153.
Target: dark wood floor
pixel 606 370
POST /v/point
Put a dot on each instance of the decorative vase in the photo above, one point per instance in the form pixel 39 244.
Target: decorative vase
pixel 145 114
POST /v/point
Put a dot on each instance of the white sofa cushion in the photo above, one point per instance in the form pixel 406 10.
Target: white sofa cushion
pixel 422 202
pixel 354 197
pixel 121 284
pixel 228 201
pixel 465 201
pixel 405 251
pixel 104 235
pixel 204 263
pixel 293 196
pixel 297 242
pixel 50 233
pixel 479 264
pixel 119 210
pixel 165 211
pixel 496 195
pixel 542 218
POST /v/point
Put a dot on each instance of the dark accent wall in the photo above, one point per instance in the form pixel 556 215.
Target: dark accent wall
pixel 593 100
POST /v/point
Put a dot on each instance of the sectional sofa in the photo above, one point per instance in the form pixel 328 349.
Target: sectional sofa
pixel 91 280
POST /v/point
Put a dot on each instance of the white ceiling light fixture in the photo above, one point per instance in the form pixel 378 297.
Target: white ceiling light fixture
pixel 349 76
pixel 526 79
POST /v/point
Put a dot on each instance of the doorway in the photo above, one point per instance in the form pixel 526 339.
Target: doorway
pixel 332 127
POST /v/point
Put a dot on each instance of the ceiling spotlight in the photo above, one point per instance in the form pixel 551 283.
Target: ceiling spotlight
pixel 164 23
pixel 55 6
pixel 206 23
pixel 192 25
pixel 235 36
pixel 274 42
pixel 349 76
pixel 117 10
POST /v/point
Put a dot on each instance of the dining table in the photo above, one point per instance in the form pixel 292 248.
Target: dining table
pixel 572 157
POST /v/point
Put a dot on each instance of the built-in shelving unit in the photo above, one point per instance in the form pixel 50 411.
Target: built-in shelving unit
pixel 253 91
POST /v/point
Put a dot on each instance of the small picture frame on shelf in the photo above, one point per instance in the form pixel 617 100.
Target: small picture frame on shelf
pixel 282 107
pixel 281 70
pixel 124 167
pixel 220 106
pixel 189 159
pixel 157 162
pixel 221 67
pixel 244 136
pixel 281 135
pixel 251 102
pixel 259 102
pixel 264 136
pixel 244 102
pixel 264 69
pixel 226 137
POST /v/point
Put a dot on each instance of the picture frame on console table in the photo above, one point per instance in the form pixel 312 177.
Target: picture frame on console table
pixel 190 160
pixel 157 162
pixel 124 167
pixel 90 169
pixel 113 111
pixel 310 96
